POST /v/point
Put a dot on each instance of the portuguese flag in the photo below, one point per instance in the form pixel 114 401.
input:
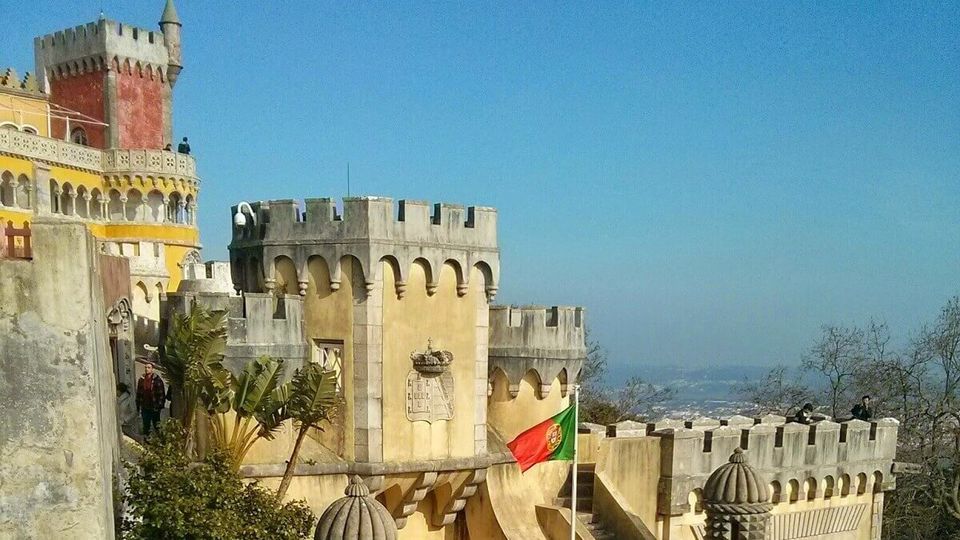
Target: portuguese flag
pixel 549 440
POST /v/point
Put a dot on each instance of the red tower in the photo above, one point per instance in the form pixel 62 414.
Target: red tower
pixel 119 75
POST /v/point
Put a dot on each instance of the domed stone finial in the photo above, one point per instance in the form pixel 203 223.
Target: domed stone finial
pixel 735 494
pixel 357 516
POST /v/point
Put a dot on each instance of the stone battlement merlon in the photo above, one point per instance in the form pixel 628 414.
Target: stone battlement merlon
pixel 372 230
pixel 788 454
pixel 102 42
pixel 373 217
pixel 549 341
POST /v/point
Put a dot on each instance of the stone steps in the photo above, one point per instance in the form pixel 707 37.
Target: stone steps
pixel 585 515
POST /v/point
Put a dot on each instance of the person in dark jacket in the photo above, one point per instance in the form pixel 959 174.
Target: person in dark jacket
pixel 805 414
pixel 184 147
pixel 862 410
pixel 151 398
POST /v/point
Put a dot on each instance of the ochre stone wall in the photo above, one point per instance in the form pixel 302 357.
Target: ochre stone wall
pixel 450 321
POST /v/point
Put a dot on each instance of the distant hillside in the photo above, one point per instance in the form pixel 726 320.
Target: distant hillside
pixel 712 383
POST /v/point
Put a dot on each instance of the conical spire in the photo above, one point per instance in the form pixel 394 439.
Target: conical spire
pixel 170 14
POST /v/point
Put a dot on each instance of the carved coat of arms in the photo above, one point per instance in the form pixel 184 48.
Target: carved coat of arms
pixel 430 386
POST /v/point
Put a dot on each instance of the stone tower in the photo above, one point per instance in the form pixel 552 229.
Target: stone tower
pixel 737 502
pixel 119 77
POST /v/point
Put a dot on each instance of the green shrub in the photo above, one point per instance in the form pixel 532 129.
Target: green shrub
pixel 171 498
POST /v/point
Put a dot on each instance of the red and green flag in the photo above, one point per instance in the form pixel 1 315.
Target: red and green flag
pixel 549 440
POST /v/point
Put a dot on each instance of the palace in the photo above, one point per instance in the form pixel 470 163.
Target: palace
pixel 395 297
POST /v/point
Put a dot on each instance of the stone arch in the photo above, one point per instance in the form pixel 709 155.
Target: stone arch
pixel 133 208
pixel 776 492
pixel 810 488
pixel 22 192
pixel 794 487
pixel 7 197
pixel 189 209
pixel 161 290
pixel 564 381
pixel 489 281
pixel 81 202
pixel 532 377
pixel 317 273
pixel 54 196
pixel 499 387
pixel 844 485
pixel 428 272
pixel 389 262
pixel 828 486
pixel 155 211
pixel 877 481
pixel 174 210
pixel 861 483
pixel 358 277
pixel 462 277
pixel 191 257
pixel 285 274
pixel 67 199
pixel 115 206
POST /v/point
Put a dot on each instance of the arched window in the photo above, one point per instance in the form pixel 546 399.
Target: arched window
pixel 8 125
pixel 79 136
pixel 30 129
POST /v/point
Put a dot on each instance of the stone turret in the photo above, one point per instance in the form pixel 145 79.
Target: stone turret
pixel 170 26
pixel 546 340
pixel 737 501
pixel 371 230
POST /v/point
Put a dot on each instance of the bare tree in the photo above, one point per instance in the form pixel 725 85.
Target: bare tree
pixel 778 392
pixel 838 355
pixel 635 400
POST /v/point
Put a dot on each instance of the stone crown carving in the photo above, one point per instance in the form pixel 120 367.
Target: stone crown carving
pixel 431 362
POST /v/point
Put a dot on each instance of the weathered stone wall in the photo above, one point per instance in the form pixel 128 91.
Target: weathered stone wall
pixel 58 428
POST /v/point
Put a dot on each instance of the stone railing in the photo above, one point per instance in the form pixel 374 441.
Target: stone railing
pixel 50 150
pixel 149 162
pixel 144 162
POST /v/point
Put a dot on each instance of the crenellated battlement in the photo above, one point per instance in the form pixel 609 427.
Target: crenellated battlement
pixel 794 458
pixel 549 341
pixel 371 229
pixel 372 218
pixel 258 324
pixel 9 80
pixel 98 45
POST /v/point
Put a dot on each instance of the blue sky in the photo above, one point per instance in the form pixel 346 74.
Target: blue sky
pixel 712 181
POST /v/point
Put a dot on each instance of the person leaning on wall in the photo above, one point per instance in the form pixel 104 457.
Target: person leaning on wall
pixel 862 410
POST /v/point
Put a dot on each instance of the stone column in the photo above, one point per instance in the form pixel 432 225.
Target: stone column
pixel 367 368
pixel 481 376
pixel 112 139
pixel 163 209
pixel 73 203
pixel 86 204
pixel 123 203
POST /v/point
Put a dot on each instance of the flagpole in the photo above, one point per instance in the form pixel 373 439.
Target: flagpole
pixel 576 430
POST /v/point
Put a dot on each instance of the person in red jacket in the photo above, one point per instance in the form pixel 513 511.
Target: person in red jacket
pixel 151 398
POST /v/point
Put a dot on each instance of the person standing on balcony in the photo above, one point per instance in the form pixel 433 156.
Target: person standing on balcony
pixel 151 397
pixel 184 147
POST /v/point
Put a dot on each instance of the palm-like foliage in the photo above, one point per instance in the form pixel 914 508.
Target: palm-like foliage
pixel 258 401
pixel 192 360
pixel 313 399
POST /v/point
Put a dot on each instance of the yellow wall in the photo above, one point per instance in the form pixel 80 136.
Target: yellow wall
pixel 450 321
pixel 28 110
pixel 328 315
pixel 511 416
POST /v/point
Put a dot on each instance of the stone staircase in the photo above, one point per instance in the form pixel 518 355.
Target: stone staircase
pixel 585 475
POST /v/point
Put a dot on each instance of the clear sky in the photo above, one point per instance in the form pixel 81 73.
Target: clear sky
pixel 712 181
